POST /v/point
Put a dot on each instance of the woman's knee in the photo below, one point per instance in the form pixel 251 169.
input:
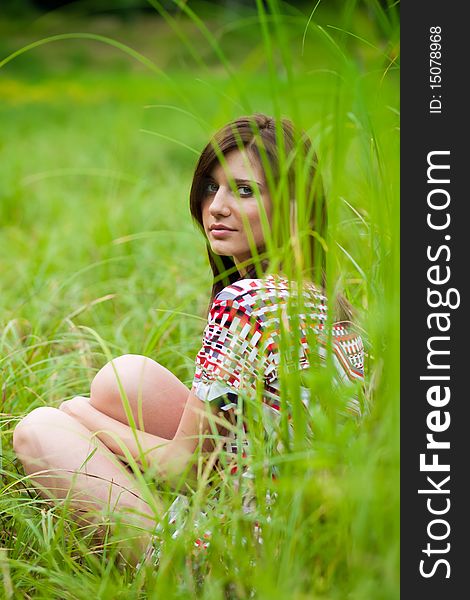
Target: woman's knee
pixel 117 377
pixel 27 430
pixel 152 391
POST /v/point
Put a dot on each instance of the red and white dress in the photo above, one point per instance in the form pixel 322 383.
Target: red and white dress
pixel 242 341
pixel 240 358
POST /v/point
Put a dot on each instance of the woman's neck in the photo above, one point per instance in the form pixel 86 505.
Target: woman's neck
pixel 248 270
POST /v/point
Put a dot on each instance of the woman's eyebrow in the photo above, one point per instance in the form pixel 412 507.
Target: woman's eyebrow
pixel 248 181
pixel 236 181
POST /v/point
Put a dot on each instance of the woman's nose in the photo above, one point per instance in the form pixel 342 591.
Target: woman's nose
pixel 220 203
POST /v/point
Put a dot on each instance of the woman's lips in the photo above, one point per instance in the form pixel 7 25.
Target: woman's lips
pixel 221 233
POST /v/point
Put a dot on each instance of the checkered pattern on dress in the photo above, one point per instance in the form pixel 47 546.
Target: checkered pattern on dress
pixel 242 340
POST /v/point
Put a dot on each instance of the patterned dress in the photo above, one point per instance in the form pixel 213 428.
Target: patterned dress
pixel 243 347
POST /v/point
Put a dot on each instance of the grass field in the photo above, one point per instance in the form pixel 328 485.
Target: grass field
pixel 98 255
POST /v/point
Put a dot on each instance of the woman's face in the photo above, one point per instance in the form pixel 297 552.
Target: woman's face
pixel 231 209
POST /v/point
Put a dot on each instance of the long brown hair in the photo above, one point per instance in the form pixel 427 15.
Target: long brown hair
pixel 279 149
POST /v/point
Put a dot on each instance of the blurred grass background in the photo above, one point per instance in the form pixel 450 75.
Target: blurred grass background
pixel 97 145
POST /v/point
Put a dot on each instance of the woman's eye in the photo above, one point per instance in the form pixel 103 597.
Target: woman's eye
pixel 211 188
pixel 245 190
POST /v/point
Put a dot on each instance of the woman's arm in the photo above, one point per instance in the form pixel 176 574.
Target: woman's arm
pixel 169 458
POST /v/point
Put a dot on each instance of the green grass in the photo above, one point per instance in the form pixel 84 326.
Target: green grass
pixel 96 243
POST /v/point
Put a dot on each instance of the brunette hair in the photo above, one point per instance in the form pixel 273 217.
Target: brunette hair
pixel 279 150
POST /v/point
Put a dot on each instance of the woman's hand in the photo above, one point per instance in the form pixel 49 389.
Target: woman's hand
pixel 77 407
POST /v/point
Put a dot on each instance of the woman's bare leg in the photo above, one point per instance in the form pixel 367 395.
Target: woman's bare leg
pixel 64 461
pixel 156 397
pixel 49 439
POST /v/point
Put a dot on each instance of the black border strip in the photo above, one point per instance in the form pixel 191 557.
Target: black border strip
pixel 424 132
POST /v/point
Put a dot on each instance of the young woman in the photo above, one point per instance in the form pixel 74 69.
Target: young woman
pixel 254 183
